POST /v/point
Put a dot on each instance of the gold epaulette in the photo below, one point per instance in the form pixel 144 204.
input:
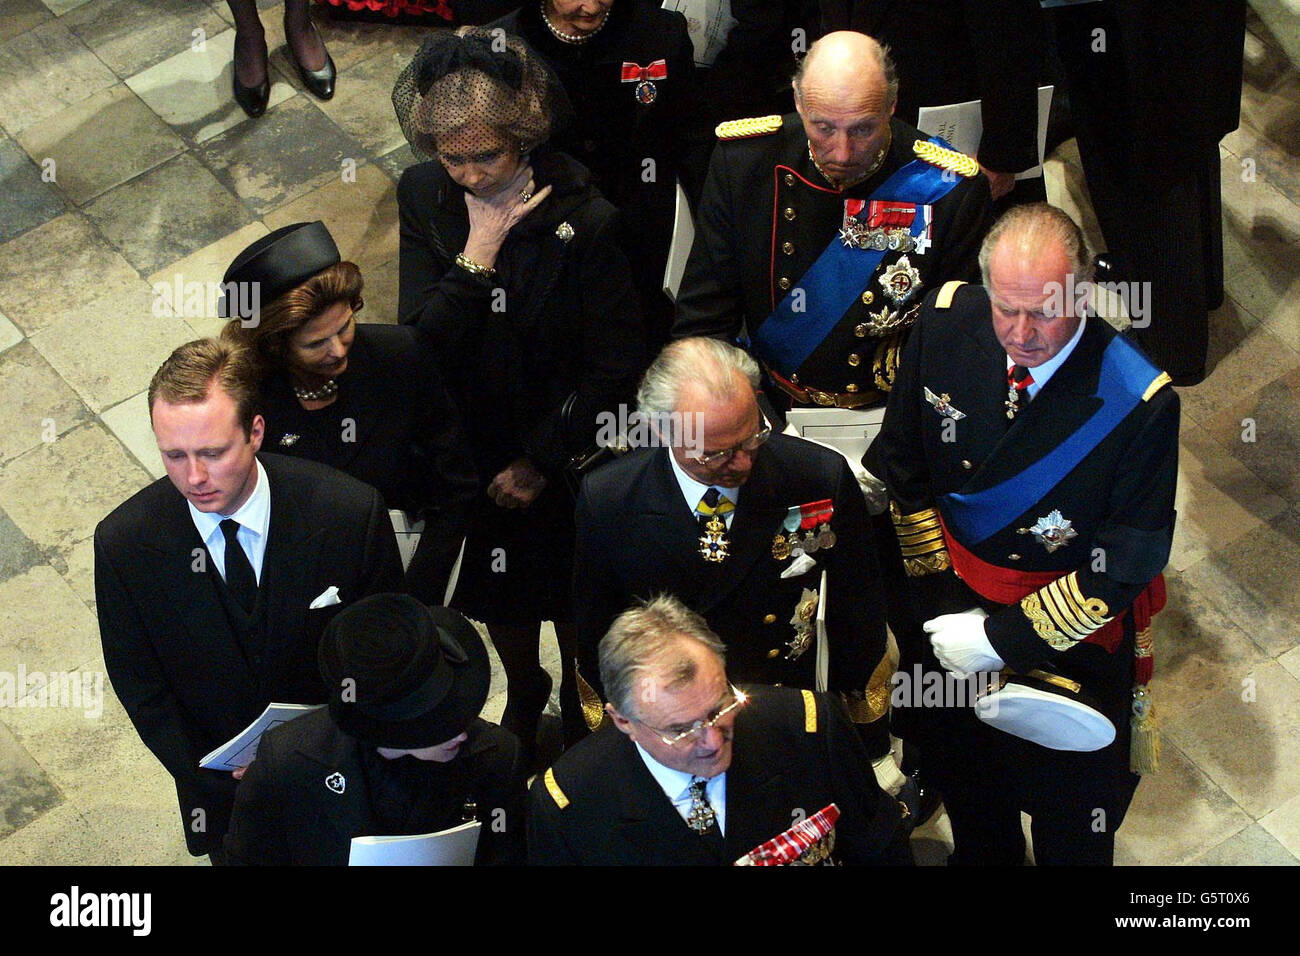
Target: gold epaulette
pixel 920 537
pixel 1160 382
pixel 948 159
pixel 750 126
pixel 554 790
pixel 809 712
pixel 1060 613
pixel 949 289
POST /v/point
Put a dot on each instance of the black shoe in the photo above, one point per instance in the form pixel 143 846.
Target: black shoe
pixel 319 82
pixel 252 99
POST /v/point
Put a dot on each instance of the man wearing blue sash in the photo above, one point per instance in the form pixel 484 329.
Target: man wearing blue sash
pixel 818 235
pixel 1031 457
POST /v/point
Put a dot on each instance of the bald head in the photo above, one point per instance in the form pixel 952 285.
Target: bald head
pixel 850 69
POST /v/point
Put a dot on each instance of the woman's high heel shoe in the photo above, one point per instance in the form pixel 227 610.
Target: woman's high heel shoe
pixel 319 82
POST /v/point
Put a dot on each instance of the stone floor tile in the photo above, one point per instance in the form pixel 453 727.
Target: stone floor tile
pixel 76 565
pixel 167 213
pixel 1179 791
pixel 44 627
pixel 361 216
pixel 351 41
pixel 308 152
pixel 1252 581
pixel 44 70
pixel 1291 661
pixel 362 105
pixel 101 142
pixel 206 268
pixel 60 7
pixel 1255 357
pixel 17 553
pixel 192 91
pixel 26 791
pixel 1284 825
pixel 1249 748
pixel 10 334
pixel 1262 430
pixel 107 349
pixel 36 405
pixel 381 293
pixel 129 422
pixel 130 37
pixel 1253 846
pixel 144 821
pixel 1218 498
pixel 29 199
pixel 88 267
pixel 95 475
pixel 395 162
pixel 19 16
pixel 61 837
pixel 1200 652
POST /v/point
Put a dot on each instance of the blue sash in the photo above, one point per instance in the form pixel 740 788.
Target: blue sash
pixel 832 284
pixel 1125 377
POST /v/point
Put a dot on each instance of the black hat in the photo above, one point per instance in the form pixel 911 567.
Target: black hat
pixel 401 674
pixel 278 262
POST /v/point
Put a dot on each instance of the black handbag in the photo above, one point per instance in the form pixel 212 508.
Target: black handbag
pixel 580 465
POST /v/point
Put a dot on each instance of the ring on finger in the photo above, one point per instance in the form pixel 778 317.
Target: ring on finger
pixel 525 195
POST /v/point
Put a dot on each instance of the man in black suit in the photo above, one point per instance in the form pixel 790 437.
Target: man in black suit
pixel 786 512
pixel 691 770
pixel 213 585
pixel 1031 455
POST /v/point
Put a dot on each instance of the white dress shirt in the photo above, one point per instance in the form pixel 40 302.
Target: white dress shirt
pixel 254 518
pixel 676 785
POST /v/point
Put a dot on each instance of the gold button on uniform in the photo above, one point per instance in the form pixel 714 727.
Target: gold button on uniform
pixel 868 297
pixel 965 464
pixel 783 282
pixel 789 179
pixel 1013 557
pixel 855 359
pixel 787 248
pixel 788 212
pixel 769 618
pixel 851 387
pixel 774 653
pixel 860 330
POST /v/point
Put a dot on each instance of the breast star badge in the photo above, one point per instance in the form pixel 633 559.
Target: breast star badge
pixel 900 280
pixel 943 405
pixel 1053 532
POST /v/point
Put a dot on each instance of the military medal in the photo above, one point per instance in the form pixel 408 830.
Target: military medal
pixel 1015 388
pixel 644 77
pixel 803 623
pixel 714 543
pixel 786 543
pixel 336 782
pixel 810 542
pixel 900 280
pixel 1053 532
pixel 780 547
pixel 943 405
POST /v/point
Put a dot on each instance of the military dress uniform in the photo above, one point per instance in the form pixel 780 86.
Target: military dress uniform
pixel 792 751
pixel 1082 548
pixel 637 537
pixel 765 217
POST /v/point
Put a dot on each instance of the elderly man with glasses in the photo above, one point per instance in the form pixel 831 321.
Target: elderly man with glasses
pixel 692 770
pixel 763 534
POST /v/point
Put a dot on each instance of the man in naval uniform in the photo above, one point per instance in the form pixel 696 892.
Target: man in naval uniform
pixel 741 524
pixel 691 770
pixel 817 237
pixel 1031 458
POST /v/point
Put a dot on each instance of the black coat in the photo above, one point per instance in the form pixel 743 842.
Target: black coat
pixel 393 426
pixel 171 653
pixel 766 216
pixel 285 815
pixel 792 752
pixel 637 537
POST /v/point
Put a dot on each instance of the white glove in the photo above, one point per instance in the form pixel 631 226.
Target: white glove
pixel 960 643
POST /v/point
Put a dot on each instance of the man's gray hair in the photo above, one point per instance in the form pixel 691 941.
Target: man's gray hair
pixel 648 640
pixel 1033 226
pixel 879 51
pixel 709 364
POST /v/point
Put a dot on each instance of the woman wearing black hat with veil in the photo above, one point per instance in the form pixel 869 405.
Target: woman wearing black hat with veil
pixel 511 268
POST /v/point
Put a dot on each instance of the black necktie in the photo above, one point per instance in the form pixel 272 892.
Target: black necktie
pixel 239 573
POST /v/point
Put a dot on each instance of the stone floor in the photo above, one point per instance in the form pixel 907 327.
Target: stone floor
pixel 125 164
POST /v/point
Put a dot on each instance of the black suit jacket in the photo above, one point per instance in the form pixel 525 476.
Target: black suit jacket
pixel 784 766
pixel 638 537
pixel 285 815
pixel 171 653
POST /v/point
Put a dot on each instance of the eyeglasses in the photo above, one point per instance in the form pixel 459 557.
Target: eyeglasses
pixel 749 444
pixel 696 730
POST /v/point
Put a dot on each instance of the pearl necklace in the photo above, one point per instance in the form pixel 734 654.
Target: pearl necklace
pixel 568 37
pixel 316 394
